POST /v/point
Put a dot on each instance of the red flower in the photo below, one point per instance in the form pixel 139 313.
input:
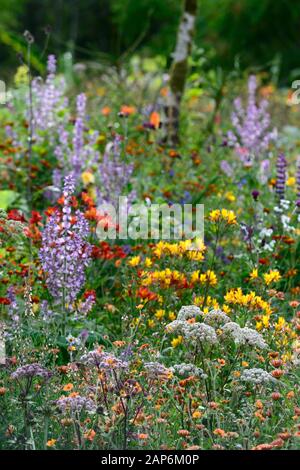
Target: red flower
pixel 145 293
pixel 90 293
pixel 35 217
pixel 4 301
pixel 14 214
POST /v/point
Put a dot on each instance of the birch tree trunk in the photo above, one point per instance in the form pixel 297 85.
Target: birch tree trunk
pixel 178 72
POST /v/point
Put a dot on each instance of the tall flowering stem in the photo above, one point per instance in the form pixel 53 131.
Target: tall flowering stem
pixel 281 166
pixel 251 124
pixel 65 253
pixel 298 184
pixel 115 175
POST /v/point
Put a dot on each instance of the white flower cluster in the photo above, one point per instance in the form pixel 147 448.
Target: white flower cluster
pixel 189 311
pixel 157 370
pixel 257 376
pixel 187 370
pixel 193 332
pixel 216 318
pixel 243 336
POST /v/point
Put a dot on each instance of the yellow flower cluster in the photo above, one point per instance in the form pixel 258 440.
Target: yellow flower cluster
pixel 225 215
pixel 193 250
pixel 165 277
pixel 134 261
pixel 208 278
pixel 272 276
pixel 250 300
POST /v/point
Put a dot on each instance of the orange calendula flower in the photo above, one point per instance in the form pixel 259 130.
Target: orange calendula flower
pixel 90 435
pixel 51 442
pixel 127 110
pixel 105 111
pixel 143 437
pixel 155 119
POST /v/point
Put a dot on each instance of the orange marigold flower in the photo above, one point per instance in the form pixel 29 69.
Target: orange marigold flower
pixel 263 447
pixel 90 435
pixel 105 111
pixel 68 387
pixel 51 442
pixel 183 433
pixel 276 396
pixel 143 437
pixel 127 110
pixel 277 373
pixel 219 432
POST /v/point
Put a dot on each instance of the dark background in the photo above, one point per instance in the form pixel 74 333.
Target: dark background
pixel 262 33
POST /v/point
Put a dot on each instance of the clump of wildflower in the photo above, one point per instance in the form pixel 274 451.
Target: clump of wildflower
pixel 115 175
pixel 156 370
pixel 76 150
pixel 223 215
pixel 201 332
pixel 272 276
pixel 65 253
pixel 243 336
pixel 49 101
pixel 216 318
pixel 257 376
pixel 251 124
pixel 189 311
pixel 281 167
pixel 75 403
pixel 103 360
pixel 298 184
pixel 30 371
pixel 187 370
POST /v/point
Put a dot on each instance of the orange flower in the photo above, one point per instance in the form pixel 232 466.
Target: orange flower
pixel 127 110
pixel 143 437
pixel 276 396
pixel 183 432
pixel 155 119
pixel 68 387
pixel 220 432
pixel 213 405
pixel 90 435
pixel 263 447
pixel 105 111
pixel 51 442
pixel 277 373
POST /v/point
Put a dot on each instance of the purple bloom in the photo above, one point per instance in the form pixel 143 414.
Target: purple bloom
pixel 255 194
pixel 298 182
pixel 226 168
pixel 115 175
pixel 65 253
pixel 76 404
pixel 103 360
pixel 281 166
pixel 30 371
pixel 251 124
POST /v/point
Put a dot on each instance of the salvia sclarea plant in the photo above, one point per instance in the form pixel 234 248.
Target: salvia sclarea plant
pixel 252 134
pixel 46 106
pixel 49 102
pixel 75 150
pixel 114 175
pixel 65 252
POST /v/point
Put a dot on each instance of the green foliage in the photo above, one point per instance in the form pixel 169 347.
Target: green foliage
pixel 262 33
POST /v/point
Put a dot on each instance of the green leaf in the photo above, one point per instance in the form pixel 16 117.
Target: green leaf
pixel 7 197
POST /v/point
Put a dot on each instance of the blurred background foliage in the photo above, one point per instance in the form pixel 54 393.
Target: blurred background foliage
pixel 257 33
